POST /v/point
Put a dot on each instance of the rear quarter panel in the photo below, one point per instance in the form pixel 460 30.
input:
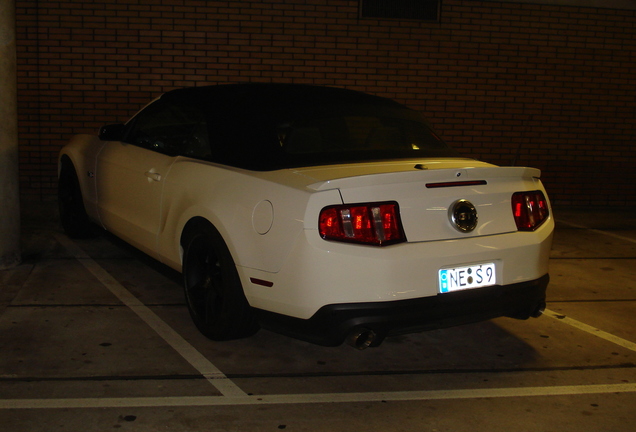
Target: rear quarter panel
pixel 238 202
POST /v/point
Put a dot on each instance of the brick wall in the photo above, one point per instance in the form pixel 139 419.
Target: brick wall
pixel 547 86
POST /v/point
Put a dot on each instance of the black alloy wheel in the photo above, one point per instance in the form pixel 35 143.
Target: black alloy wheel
pixel 214 294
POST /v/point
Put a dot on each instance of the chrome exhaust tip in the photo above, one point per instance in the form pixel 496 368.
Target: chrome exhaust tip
pixel 361 338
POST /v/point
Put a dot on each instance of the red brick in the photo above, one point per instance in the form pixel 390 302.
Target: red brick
pixel 556 80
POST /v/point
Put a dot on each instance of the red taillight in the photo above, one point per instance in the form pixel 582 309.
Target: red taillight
pixel 375 224
pixel 530 210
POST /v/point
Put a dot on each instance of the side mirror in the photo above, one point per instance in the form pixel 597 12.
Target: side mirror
pixel 113 132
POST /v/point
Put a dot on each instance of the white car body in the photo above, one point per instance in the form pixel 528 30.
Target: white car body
pixel 269 221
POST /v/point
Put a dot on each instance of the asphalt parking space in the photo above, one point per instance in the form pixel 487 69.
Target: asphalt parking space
pixel 95 336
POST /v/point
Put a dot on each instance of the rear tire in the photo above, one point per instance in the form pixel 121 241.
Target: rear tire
pixel 73 217
pixel 213 290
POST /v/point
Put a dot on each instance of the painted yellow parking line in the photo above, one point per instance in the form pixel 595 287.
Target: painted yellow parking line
pixel 217 378
pixel 591 330
pixel 286 399
pixel 598 231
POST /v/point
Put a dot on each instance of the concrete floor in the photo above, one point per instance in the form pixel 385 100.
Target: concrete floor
pixel 96 337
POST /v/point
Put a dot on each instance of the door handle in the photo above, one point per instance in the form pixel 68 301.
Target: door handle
pixel 153 176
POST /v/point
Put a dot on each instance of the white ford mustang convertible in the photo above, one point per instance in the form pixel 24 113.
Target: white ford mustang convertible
pixel 321 213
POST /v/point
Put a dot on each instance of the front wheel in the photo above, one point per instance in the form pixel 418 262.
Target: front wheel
pixel 213 289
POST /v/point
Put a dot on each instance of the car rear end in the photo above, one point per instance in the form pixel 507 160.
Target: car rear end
pixel 399 233
pixel 413 245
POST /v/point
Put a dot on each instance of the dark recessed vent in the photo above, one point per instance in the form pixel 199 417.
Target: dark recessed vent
pixel 427 10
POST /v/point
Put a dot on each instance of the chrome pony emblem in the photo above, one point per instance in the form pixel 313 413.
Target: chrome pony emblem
pixel 463 215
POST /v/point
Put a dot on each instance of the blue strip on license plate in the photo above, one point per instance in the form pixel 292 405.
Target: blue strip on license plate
pixel 468 277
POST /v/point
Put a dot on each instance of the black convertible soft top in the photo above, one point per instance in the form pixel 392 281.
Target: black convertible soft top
pixel 274 97
pixel 262 126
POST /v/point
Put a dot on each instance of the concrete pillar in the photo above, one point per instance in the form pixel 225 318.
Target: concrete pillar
pixel 9 192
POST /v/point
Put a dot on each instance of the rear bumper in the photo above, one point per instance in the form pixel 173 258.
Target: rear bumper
pixel 331 324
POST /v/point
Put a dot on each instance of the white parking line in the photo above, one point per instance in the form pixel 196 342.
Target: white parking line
pixel 597 231
pixel 233 395
pixel 585 327
pixel 217 378
pixel 429 395
pixel 591 330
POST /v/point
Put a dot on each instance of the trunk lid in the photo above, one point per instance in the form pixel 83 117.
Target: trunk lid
pixel 426 191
